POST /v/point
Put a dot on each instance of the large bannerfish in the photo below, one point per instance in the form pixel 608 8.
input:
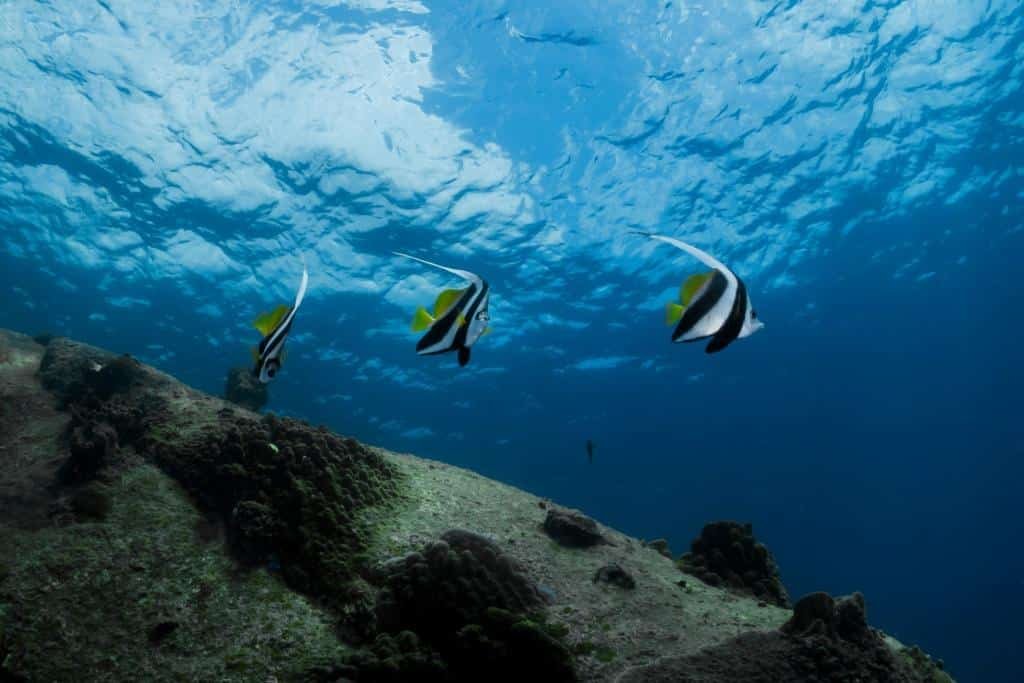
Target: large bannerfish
pixel 712 305
pixel 460 316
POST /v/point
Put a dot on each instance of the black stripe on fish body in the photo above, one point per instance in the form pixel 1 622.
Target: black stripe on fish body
pixel 439 330
pixel 463 356
pixel 702 306
pixel 730 331
pixel 460 336
pixel 282 329
pixel 276 338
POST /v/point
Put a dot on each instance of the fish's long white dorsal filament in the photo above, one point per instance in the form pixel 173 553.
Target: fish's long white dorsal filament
pixel 464 274
pixel 706 258
pixel 301 294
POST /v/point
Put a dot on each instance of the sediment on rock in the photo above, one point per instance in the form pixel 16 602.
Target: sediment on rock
pixel 244 389
pixel 572 528
pixel 289 493
pixel 827 640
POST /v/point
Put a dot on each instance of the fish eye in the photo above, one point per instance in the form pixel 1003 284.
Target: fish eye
pixel 483 316
pixel 271 370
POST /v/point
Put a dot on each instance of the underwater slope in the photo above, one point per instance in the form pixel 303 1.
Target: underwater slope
pixel 153 532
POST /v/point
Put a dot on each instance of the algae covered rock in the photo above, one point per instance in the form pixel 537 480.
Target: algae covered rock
pixel 194 540
pixel 474 606
pixel 827 640
pixel 572 528
pixel 244 389
pixel 615 575
pixel 287 490
pixel 91 446
pixel 660 545
pixel 726 554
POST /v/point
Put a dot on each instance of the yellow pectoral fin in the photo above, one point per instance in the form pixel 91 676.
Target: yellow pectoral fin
pixel 487 331
pixel 461 320
pixel 692 286
pixel 673 312
pixel 446 300
pixel 421 320
pixel 266 322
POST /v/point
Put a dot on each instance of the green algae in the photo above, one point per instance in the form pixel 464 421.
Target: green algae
pixel 288 493
pixel 106 586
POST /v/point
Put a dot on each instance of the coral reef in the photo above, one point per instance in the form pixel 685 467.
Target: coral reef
pixel 572 528
pixel 244 389
pixel 475 607
pixel 827 640
pixel 286 490
pixel 139 596
pixel 726 554
pixel 151 532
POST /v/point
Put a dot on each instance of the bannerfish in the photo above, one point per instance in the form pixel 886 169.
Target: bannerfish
pixel 459 318
pixel 711 305
pixel 590 451
pixel 275 326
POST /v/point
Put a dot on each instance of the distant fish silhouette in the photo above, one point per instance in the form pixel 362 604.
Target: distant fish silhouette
pixel 590 451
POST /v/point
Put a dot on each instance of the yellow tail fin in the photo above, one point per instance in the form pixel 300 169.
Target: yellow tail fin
pixel 421 320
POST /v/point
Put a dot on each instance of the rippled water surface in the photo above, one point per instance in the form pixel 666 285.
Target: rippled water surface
pixel 164 166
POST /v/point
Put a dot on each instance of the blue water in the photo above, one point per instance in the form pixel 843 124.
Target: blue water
pixel 861 166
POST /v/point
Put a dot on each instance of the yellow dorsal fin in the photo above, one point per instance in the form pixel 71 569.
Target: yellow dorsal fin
pixel 692 285
pixel 421 320
pixel 266 322
pixel 673 312
pixel 446 300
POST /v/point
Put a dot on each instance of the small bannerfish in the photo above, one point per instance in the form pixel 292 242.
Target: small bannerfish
pixel 459 318
pixel 275 326
pixel 711 305
pixel 590 451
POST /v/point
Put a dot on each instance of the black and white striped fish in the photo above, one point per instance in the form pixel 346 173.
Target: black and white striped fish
pixel 460 316
pixel 275 326
pixel 712 305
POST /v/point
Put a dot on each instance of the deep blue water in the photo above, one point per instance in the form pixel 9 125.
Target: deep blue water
pixel 860 166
